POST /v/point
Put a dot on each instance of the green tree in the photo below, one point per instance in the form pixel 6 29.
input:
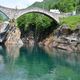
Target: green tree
pixel 66 5
pixel 78 6
pixel 38 21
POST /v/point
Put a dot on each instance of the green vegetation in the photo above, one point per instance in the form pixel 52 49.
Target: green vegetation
pixel 40 24
pixel 1 19
pixel 71 21
pixel 78 6
pixel 38 20
pixel 62 5
pixel 46 4
pixel 66 5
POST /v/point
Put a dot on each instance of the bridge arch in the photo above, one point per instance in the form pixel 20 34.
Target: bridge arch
pixel 7 17
pixel 53 16
pixel 15 13
pixel 9 12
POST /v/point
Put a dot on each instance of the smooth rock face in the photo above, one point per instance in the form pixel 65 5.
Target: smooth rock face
pixel 13 37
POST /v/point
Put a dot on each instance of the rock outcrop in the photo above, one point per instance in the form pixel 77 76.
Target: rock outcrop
pixel 60 43
pixel 13 36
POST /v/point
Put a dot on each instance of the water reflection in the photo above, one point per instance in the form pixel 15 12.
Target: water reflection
pixel 12 52
pixel 36 63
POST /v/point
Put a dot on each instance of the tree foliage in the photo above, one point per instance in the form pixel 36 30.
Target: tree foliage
pixel 62 5
pixel 66 5
pixel 78 6
pixel 46 4
pixel 72 21
pixel 40 21
pixel 40 24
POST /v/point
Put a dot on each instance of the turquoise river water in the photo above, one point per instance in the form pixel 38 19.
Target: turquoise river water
pixel 36 63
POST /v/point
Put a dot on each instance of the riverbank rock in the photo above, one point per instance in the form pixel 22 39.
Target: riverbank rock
pixel 47 42
pixel 29 40
pixel 60 43
pixel 13 37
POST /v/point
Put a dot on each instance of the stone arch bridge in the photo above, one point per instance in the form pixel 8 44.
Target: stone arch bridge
pixel 15 13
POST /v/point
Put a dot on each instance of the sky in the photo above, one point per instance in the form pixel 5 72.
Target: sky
pixel 20 4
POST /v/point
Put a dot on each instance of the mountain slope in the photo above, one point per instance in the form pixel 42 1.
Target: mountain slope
pixel 46 4
pixel 62 5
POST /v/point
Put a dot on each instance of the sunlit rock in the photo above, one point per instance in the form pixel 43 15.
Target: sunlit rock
pixel 13 37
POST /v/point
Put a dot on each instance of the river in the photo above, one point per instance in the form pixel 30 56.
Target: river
pixel 37 63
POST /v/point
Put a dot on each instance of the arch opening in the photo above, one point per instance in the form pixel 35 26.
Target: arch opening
pixel 36 24
pixel 4 16
pixel 43 13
